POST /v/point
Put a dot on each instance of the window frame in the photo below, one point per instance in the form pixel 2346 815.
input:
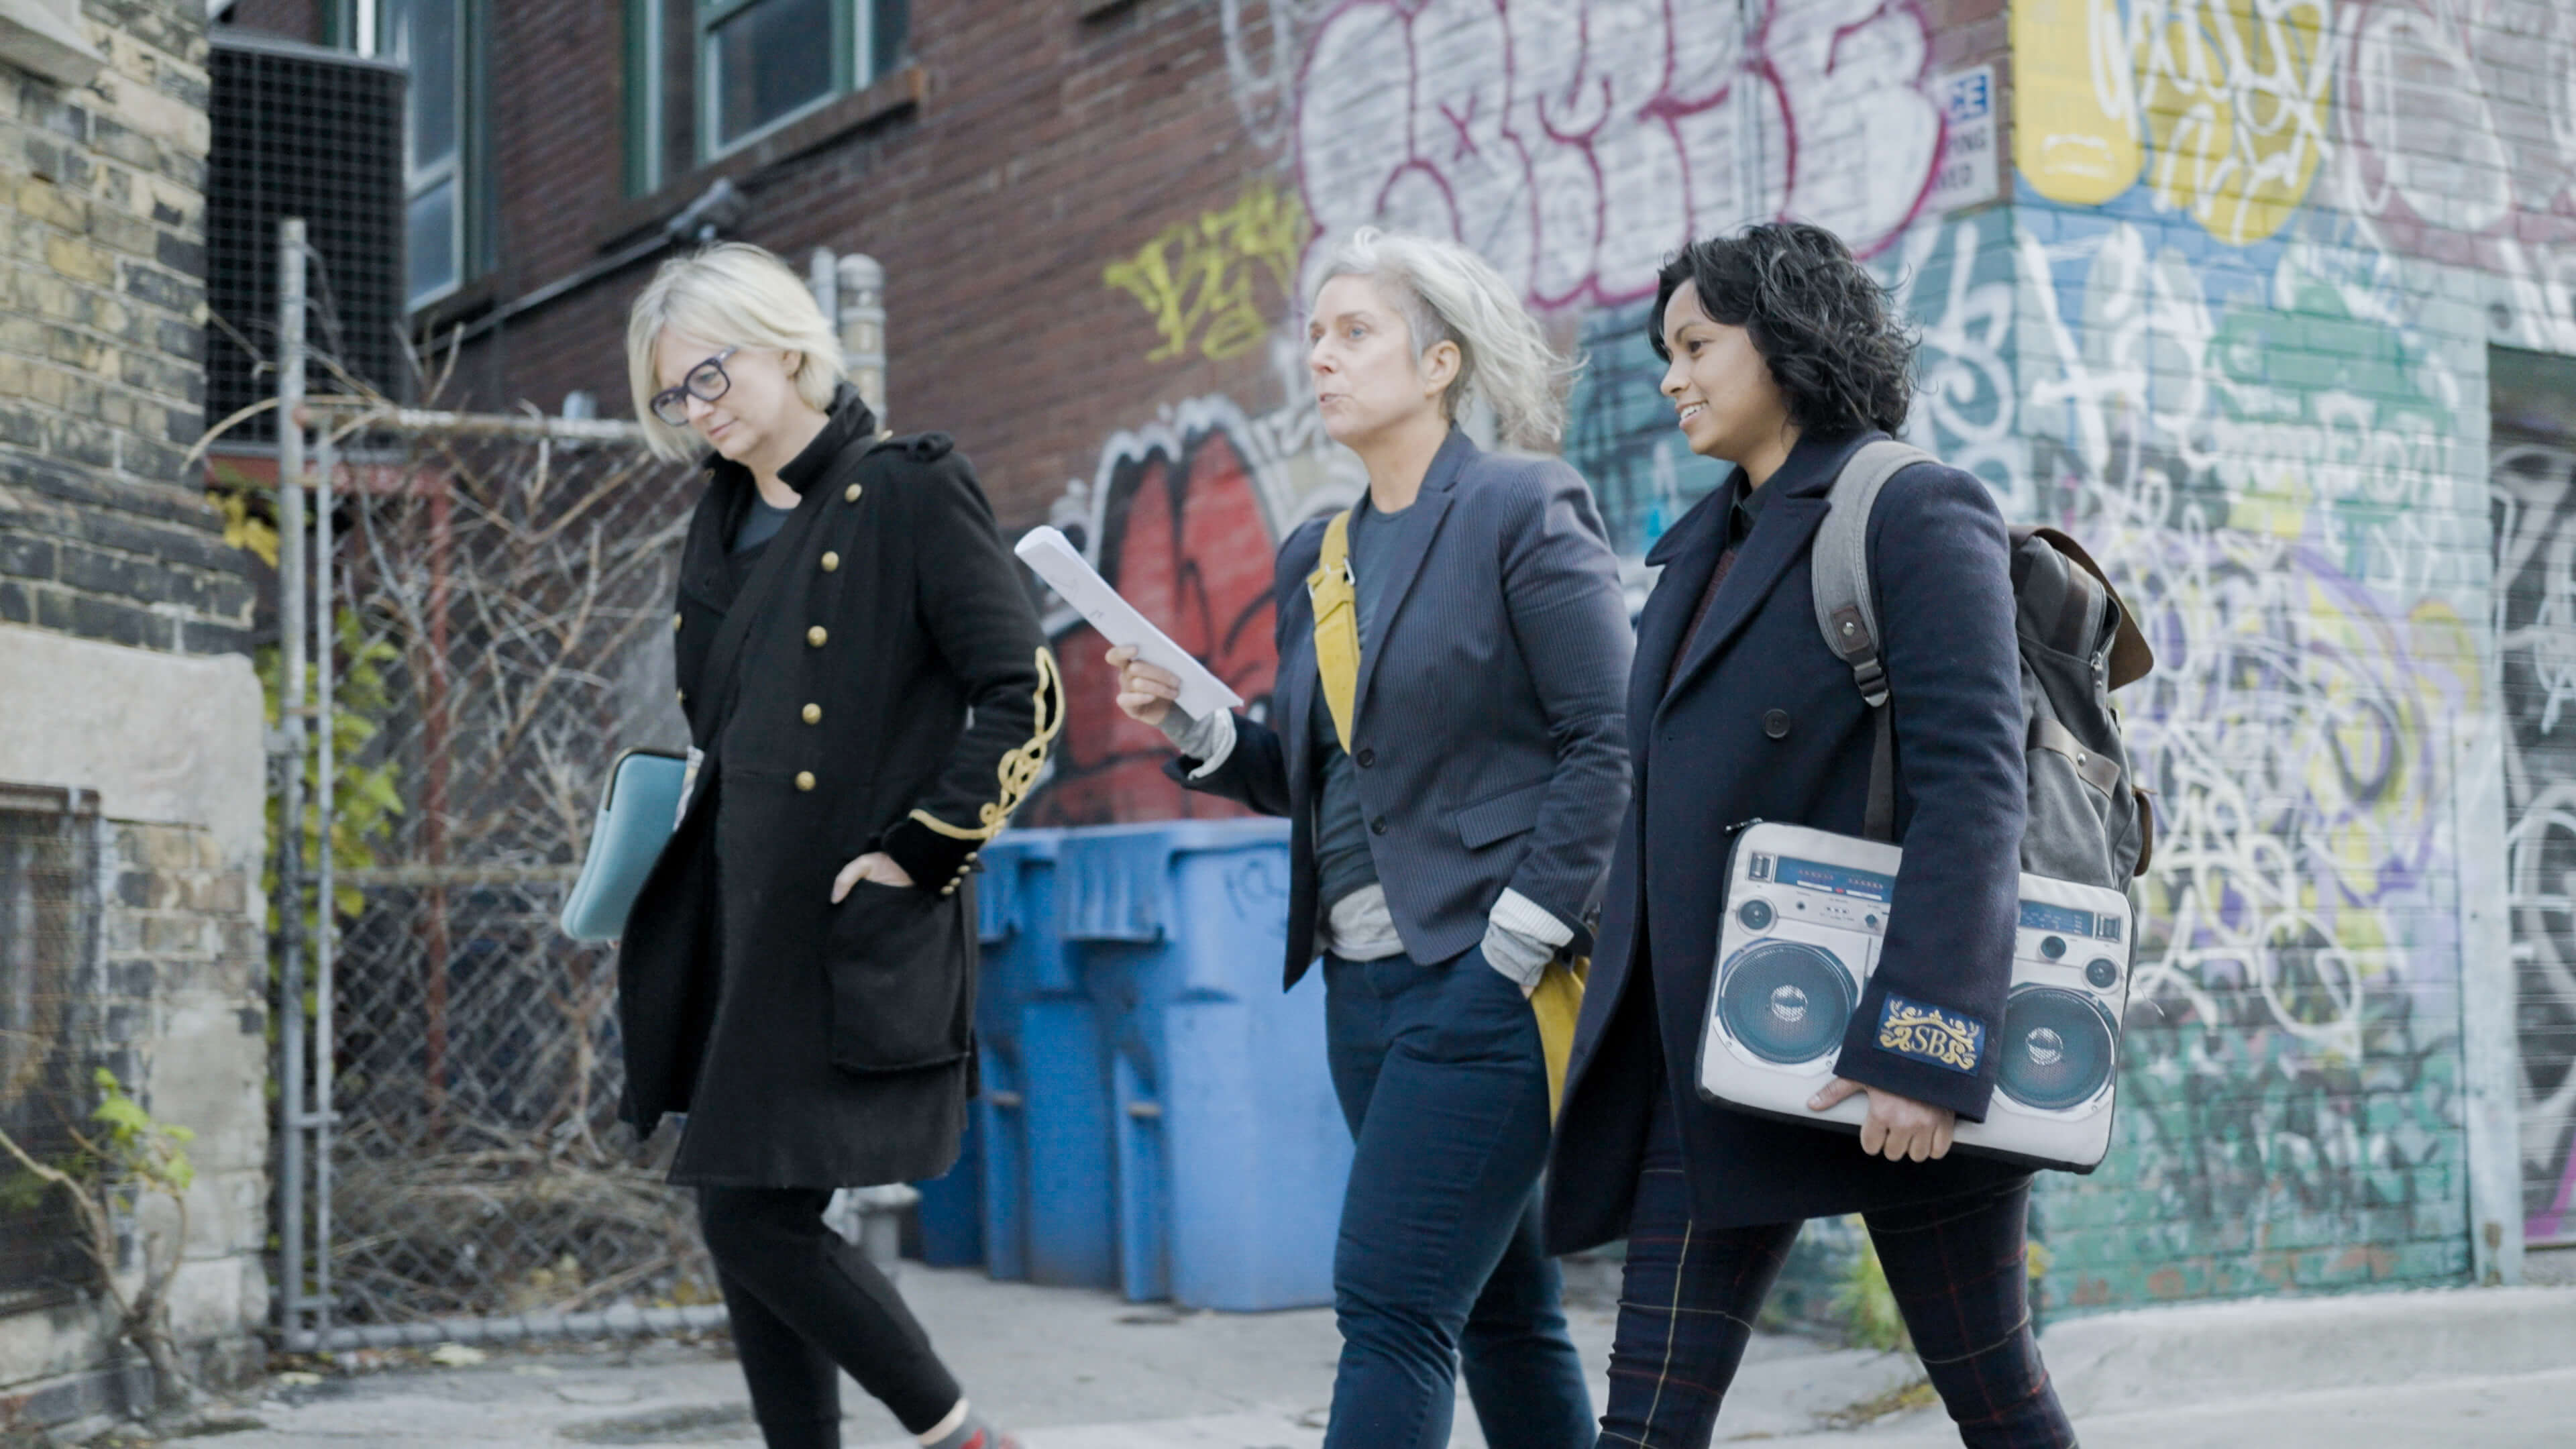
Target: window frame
pixel 360 26
pixel 863 51
pixel 449 171
pixel 849 38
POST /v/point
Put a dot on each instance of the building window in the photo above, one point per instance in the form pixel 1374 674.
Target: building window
pixel 48 939
pixel 430 37
pixel 441 42
pixel 759 66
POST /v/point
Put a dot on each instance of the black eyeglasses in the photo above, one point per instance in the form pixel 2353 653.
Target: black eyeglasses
pixel 706 382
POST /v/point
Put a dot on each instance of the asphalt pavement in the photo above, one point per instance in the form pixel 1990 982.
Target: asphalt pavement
pixel 1073 1369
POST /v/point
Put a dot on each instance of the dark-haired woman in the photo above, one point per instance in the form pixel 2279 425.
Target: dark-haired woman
pixel 1783 360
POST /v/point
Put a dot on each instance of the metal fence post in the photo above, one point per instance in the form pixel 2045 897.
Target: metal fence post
pixel 291 581
pixel 326 635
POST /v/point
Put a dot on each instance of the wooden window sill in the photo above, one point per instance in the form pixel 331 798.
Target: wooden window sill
pixel 904 89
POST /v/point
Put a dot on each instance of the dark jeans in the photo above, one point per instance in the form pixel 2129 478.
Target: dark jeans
pixel 1439 1073
pixel 804 1304
pixel 1687 1305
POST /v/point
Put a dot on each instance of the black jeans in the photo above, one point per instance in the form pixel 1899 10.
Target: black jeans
pixel 1687 1304
pixel 805 1304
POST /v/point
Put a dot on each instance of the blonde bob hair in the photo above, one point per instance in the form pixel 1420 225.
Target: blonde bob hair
pixel 1449 294
pixel 732 294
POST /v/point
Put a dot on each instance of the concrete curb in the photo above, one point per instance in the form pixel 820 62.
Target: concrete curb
pixel 2163 1358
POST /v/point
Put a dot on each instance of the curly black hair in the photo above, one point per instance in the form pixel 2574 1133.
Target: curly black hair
pixel 1842 358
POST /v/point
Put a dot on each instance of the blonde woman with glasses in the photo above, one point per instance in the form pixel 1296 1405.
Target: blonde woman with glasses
pixel 872 695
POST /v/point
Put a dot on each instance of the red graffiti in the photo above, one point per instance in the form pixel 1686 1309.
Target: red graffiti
pixel 1184 539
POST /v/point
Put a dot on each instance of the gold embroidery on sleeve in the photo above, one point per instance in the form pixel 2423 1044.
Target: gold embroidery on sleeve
pixel 1019 768
pixel 1942 1038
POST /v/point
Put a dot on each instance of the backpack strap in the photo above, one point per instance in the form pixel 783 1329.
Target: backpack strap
pixel 1847 609
pixel 1335 596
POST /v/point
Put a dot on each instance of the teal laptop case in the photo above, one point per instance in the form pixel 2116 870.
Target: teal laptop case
pixel 636 815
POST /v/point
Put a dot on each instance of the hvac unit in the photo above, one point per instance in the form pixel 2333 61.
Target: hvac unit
pixel 302 131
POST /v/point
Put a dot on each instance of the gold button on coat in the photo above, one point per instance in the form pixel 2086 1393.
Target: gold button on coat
pixel 813 713
pixel 804 779
pixel 831 561
pixel 815 636
pixel 852 493
pixel 675 621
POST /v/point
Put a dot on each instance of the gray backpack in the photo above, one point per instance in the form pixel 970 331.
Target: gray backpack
pixel 2089 819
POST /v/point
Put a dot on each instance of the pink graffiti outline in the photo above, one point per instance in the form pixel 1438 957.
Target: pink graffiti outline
pixel 1563 121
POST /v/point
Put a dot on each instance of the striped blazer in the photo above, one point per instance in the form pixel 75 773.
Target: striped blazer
pixel 1490 725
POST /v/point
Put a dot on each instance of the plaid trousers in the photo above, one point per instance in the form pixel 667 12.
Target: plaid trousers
pixel 1688 1300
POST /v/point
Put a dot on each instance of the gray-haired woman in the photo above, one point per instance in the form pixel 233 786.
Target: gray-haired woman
pixel 1447 735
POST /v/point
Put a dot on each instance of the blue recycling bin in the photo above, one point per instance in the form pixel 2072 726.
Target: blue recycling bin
pixel 1231 1150
pixel 1042 1123
pixel 951 1212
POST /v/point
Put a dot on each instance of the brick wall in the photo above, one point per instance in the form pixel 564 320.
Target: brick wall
pixel 101 373
pixel 124 638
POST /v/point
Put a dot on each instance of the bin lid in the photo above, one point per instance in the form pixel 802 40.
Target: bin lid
pixel 1114 882
pixel 998 896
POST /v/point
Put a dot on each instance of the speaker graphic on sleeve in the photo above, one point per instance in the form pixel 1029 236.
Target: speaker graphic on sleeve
pixel 1787 1001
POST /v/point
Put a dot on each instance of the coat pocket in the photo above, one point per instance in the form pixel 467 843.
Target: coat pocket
pixel 1500 817
pixel 900 963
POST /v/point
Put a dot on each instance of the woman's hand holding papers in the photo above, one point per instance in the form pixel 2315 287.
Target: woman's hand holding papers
pixel 1145 693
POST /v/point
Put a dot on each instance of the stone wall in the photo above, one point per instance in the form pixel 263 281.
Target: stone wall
pixel 124 637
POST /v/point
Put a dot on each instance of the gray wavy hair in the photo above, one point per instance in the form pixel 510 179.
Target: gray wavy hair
pixel 1449 294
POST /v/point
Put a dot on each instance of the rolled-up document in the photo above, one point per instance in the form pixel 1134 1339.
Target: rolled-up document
pixel 1053 556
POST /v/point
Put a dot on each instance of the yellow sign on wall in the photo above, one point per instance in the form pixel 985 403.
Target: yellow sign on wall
pixel 2075 103
pixel 2220 104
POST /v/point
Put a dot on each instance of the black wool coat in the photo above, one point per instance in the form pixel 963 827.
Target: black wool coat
pixel 815 1045
pixel 1759 720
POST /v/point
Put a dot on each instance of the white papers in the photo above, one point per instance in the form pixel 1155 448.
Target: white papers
pixel 1054 558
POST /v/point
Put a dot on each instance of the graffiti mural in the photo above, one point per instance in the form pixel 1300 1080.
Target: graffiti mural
pixel 1575 143
pixel 2534 496
pixel 2293 1049
pixel 2461 126
pixel 2232 334
pixel 1200 280
pixel 2447 126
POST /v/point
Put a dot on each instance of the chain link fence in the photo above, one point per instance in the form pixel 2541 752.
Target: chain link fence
pixel 500 590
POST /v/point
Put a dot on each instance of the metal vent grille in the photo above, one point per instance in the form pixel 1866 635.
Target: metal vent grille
pixel 48 921
pixel 302 131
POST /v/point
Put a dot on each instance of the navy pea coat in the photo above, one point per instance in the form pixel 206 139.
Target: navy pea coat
pixel 1759 720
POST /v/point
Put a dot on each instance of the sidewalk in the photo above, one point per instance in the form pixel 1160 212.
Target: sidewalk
pixel 1071 1369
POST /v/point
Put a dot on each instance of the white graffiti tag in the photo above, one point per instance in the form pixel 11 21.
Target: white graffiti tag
pixel 1576 143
